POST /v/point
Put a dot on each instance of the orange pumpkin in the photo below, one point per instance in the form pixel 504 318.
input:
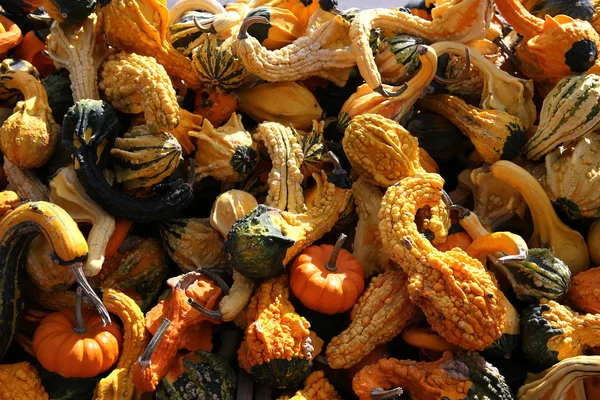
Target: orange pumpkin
pixel 75 344
pixel 327 278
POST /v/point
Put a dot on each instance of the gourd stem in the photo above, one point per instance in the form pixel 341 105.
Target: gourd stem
pixel 381 394
pixel 208 28
pixel 144 359
pixel 192 174
pixel 79 325
pixel 395 93
pixel 464 75
pixel 248 22
pixel 77 271
pixel 336 251
pixel 205 311
pixel 508 52
pixel 215 278
pixel 335 160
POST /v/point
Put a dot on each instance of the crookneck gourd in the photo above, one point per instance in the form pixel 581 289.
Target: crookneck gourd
pixel 142 27
pixel 29 136
pixel 278 347
pixel 569 111
pixel 143 158
pixel 81 50
pixel 571 175
pixel 554 47
pixel 368 101
pixel 89 129
pixel 459 20
pixel 315 386
pixel 283 102
pixel 459 376
pixel 549 231
pixel 380 314
pixel 282 27
pixel 263 242
pixel 226 153
pixel 135 84
pixel 330 56
pixel 437 280
pixel 495 134
pixel 553 332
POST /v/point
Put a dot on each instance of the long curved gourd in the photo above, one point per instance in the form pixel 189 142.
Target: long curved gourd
pixel 549 231
pixel 560 379
pixel 67 192
pixel 16 232
pixel 501 91
pixel 457 20
pixel 182 6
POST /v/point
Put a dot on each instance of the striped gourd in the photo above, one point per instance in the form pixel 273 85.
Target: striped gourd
pixel 185 34
pixel 397 57
pixel 143 158
pixel 540 275
pixel 216 64
pixel 570 110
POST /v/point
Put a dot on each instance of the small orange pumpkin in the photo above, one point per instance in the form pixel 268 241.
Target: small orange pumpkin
pixel 75 344
pixel 327 278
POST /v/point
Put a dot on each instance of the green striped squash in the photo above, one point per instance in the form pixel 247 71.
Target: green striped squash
pixel 216 64
pixel 397 57
pixel 540 275
pixel 570 110
pixel 185 35
pixel 143 158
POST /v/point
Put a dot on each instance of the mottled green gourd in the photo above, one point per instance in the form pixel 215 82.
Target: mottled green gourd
pixel 397 57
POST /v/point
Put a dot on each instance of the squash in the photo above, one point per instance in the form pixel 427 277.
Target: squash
pixel 10 96
pixel 326 278
pixel 216 65
pixel 217 107
pixel 593 242
pixel 42 270
pixel 282 28
pixel 583 294
pixel 99 119
pixel 75 344
pixel 31 123
pixel 457 237
pixel 143 159
pixel 33 50
pixel 226 153
pixel 571 173
pixel 436 134
pixel 188 122
pixel 426 339
pixel 185 34
pixel 495 134
pixel 398 57
pixel 66 11
pixel 21 381
pixel 200 374
pixel 230 206
pixel 62 97
pixel 583 10
pixel 10 34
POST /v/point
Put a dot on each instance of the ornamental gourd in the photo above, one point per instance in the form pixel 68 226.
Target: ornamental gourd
pixel 71 12
pixel 281 29
pixel 397 57
pixel 315 386
pixel 327 278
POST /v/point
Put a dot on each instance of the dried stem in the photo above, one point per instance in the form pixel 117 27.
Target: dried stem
pixel 77 271
pixel 145 358
pixel 331 264
pixel 79 325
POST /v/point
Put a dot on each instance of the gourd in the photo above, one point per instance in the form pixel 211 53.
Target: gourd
pixel 457 237
pixel 226 153
pixel 326 278
pixel 62 97
pixel 192 243
pixel 21 381
pixel 143 158
pixel 570 177
pixel 42 270
pixel 278 347
pixel 583 294
pixel 184 28
pixel 436 134
pixel 464 375
pixel 397 57
pixel 314 149
pixel 215 106
pixel 561 379
pixel 10 36
pixel 285 102
pixel 99 119
pixel 495 134
pixel 569 111
pixel 25 183
pixel 80 49
pixel 553 332
pixel 315 386
pixel 583 10
pixel 282 27
pixel 188 122
pixel 380 314
pixel 172 322
pixel 549 232
pixel 426 339
pixel 217 66
pixel 89 347
pixel 9 97
pixel 33 50
pixel 554 47
pixel 471 18
pixel 200 374
pixel 8 201
pixel 149 36
pixel 330 57
pixel 16 231
pixel 263 242
pixel 593 242
pixel 31 123
pixel 71 12
pixel 67 192
pixel 134 84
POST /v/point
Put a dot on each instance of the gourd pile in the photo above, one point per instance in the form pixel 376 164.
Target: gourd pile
pixel 284 199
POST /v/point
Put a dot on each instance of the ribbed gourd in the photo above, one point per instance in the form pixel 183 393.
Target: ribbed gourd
pixel 397 57
pixel 572 173
pixel 185 34
pixel 569 111
pixel 143 158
